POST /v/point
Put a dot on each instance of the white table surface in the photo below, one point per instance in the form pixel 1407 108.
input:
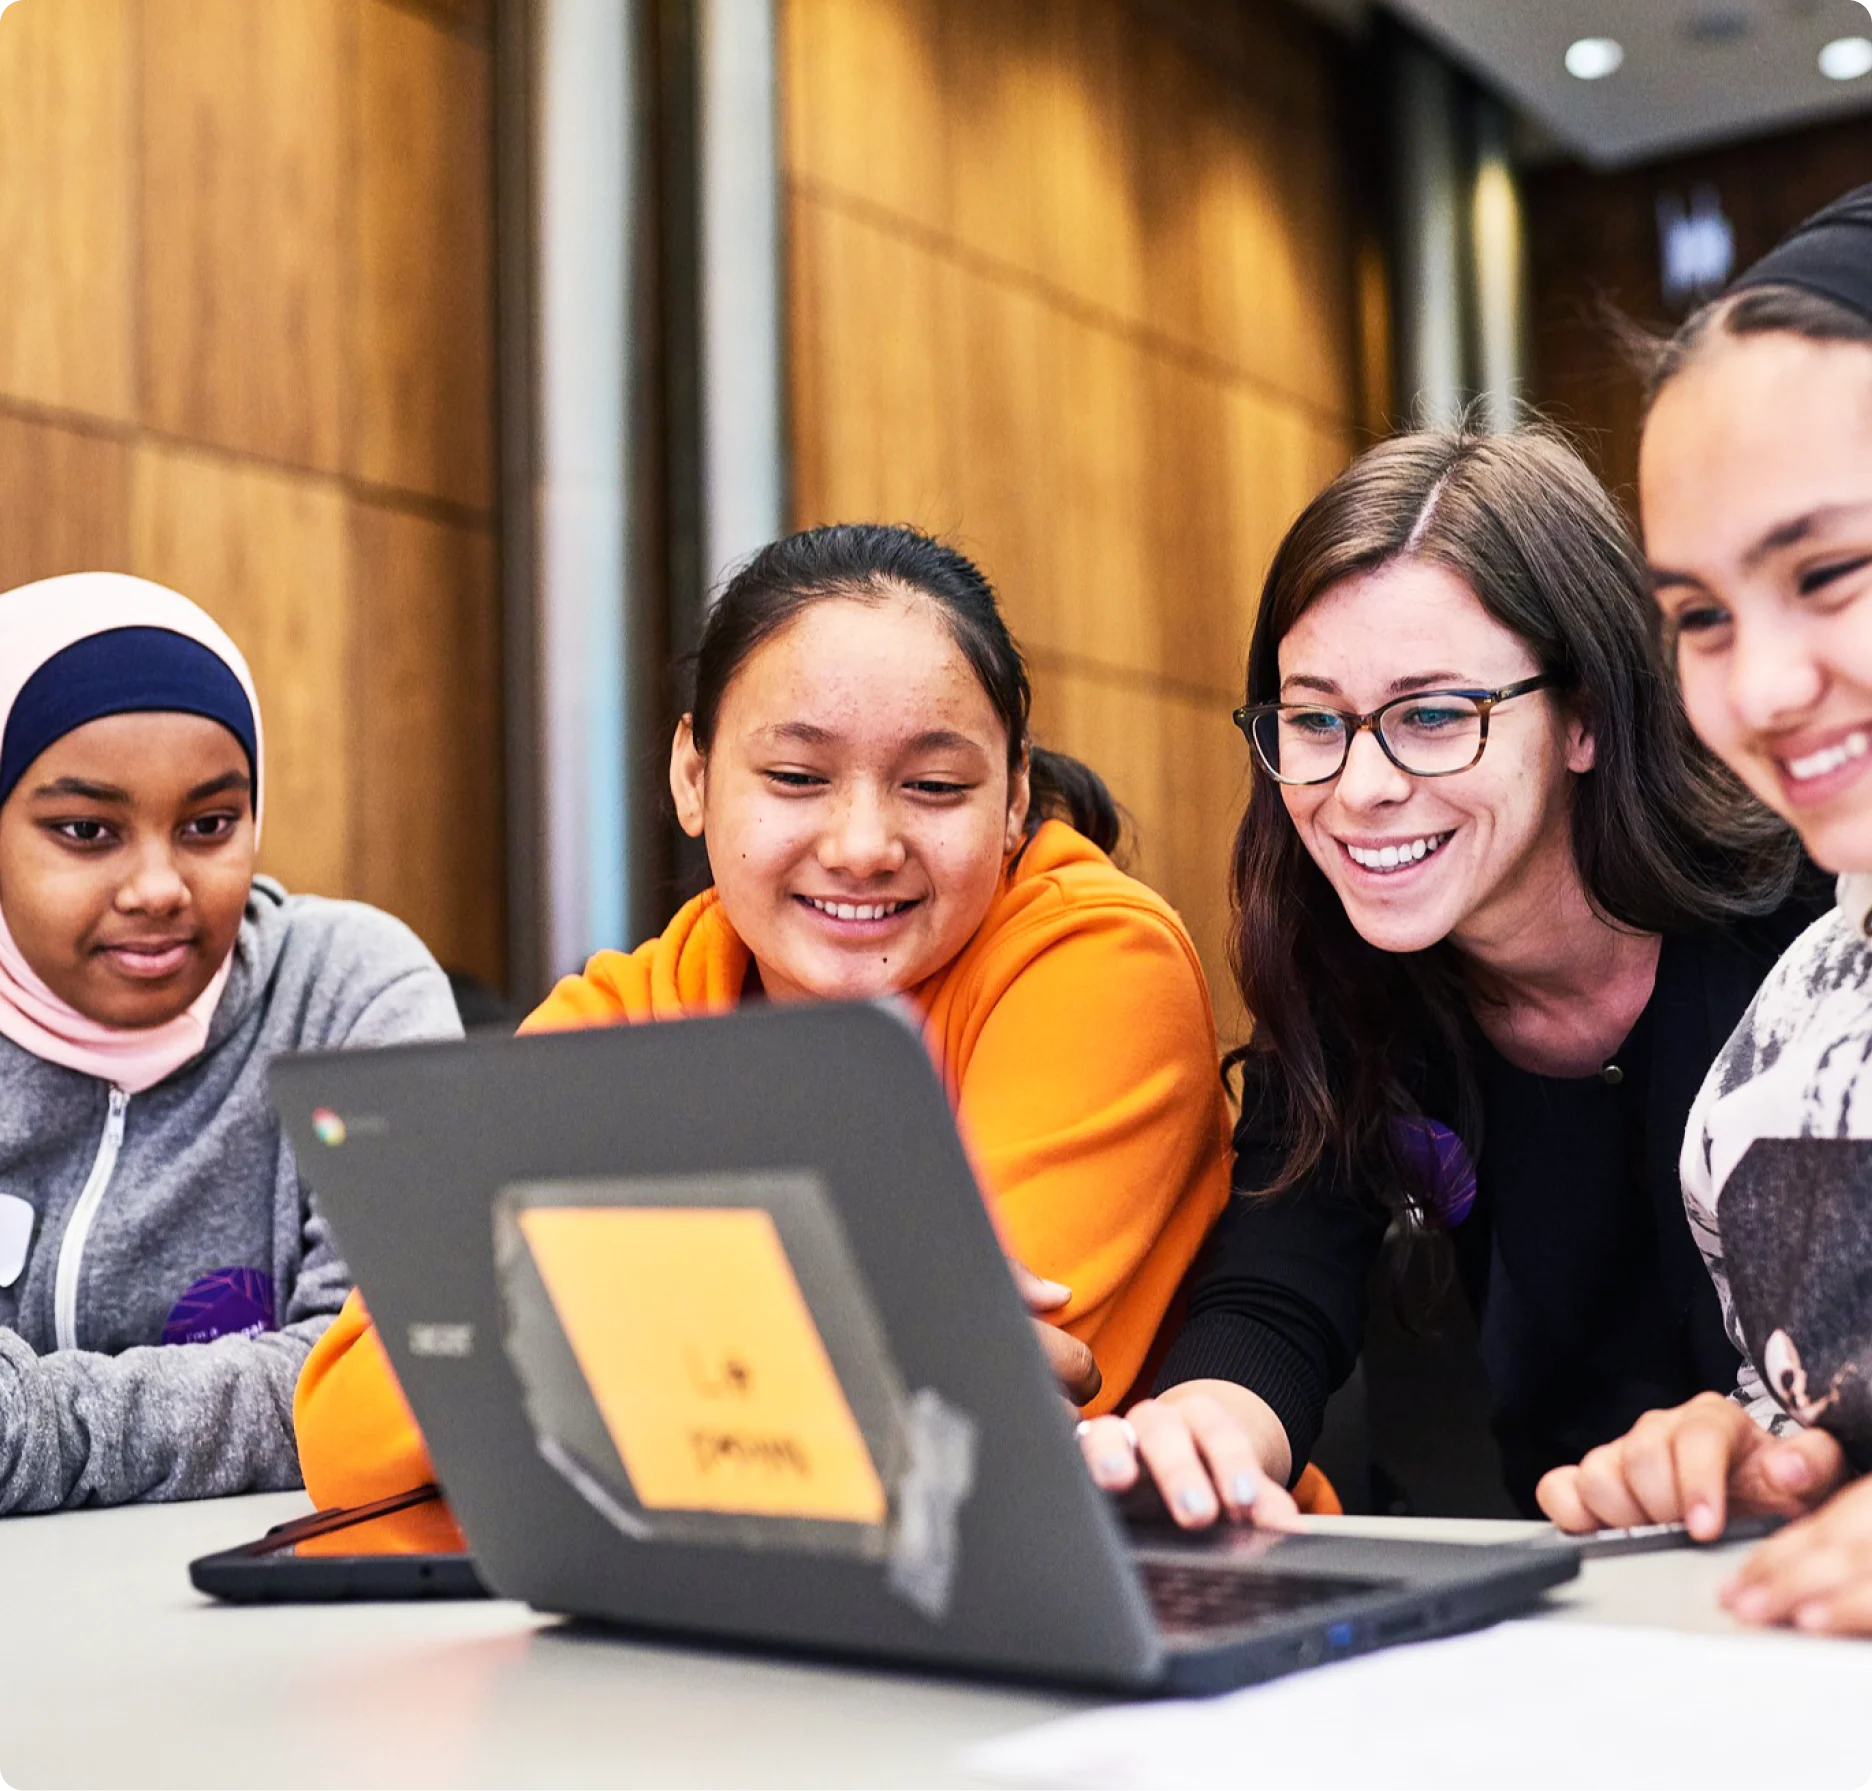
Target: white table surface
pixel 114 1671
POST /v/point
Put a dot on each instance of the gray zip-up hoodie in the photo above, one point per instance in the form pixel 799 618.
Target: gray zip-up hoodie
pixel 174 1272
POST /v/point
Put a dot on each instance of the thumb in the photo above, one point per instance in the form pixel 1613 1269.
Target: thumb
pixel 1038 1294
pixel 1806 1466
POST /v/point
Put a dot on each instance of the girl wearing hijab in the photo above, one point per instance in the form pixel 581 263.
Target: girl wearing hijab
pixel 163 1273
pixel 1756 489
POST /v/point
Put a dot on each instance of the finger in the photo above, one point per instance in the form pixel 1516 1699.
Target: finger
pixel 1846 1611
pixel 1170 1456
pixel 1813 1569
pixel 1073 1364
pixel 1800 1469
pixel 1558 1495
pixel 1036 1292
pixel 1112 1461
pixel 1602 1489
pixel 1234 1469
pixel 1704 1455
pixel 1648 1463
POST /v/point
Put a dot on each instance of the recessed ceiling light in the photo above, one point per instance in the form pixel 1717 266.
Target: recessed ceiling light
pixel 1847 58
pixel 1593 58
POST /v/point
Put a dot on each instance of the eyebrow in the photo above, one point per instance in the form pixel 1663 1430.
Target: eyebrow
pixel 1777 540
pixel 85 791
pixel 1398 686
pixel 930 740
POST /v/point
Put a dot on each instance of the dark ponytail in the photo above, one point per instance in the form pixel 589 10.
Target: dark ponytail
pixel 868 562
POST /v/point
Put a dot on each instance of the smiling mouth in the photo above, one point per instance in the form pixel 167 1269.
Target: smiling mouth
pixel 858 911
pixel 1399 857
pixel 1827 759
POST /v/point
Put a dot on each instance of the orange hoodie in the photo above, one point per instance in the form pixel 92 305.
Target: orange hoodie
pixel 1075 1041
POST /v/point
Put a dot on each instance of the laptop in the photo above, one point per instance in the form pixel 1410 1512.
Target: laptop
pixel 710 1336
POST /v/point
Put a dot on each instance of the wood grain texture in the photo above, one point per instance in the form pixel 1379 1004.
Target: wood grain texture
pixel 64 502
pixel 424 321
pixel 264 553
pixel 1593 243
pixel 1072 282
pixel 66 205
pixel 426 739
pixel 246 119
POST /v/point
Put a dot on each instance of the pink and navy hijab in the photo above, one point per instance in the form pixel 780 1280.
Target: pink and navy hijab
pixel 74 650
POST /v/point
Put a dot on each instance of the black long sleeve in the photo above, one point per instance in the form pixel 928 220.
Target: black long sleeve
pixel 1277 1299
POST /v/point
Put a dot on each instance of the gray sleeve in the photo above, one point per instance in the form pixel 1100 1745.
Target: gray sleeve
pixel 190 1421
pixel 201 1420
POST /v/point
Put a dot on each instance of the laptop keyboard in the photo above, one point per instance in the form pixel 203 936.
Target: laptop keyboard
pixel 1191 1597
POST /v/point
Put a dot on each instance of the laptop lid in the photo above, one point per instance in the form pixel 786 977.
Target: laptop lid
pixel 708 1330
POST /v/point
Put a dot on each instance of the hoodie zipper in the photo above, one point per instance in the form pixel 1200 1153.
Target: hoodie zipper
pixel 78 1226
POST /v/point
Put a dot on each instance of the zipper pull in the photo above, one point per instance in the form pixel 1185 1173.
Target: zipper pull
pixel 114 1121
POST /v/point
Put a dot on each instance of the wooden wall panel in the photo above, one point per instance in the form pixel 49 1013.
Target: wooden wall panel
pixel 66 210
pixel 425 285
pixel 426 739
pixel 1593 243
pixel 245 160
pixel 263 553
pixel 64 501
pixel 284 207
pixel 1071 282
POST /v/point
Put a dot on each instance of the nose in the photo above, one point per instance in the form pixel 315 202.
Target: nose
pixel 1369 779
pixel 1774 676
pixel 154 884
pixel 861 838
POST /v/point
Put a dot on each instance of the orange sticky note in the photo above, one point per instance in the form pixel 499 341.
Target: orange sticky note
pixel 701 1352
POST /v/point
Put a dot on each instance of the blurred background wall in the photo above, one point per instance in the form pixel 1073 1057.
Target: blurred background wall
pixel 246 316
pixel 451 350
pixel 1072 282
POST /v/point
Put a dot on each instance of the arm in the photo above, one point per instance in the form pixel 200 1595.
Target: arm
pixel 186 1421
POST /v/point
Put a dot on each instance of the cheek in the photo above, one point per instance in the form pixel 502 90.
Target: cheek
pixel 1701 684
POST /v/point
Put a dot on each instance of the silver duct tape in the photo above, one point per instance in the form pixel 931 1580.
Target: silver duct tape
pixel 925 1547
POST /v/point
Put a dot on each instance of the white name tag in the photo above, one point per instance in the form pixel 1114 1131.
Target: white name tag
pixel 16 1229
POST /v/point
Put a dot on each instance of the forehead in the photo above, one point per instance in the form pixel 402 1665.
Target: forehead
pixel 882 668
pixel 1407 618
pixel 1754 433
pixel 141 751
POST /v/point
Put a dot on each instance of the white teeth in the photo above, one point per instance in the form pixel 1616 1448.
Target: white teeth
pixel 856 910
pixel 1390 858
pixel 1829 758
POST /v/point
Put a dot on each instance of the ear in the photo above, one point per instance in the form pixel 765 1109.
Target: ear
pixel 688 779
pixel 1020 799
pixel 1582 751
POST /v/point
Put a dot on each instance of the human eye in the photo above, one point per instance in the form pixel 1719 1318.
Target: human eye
pixel 1431 715
pixel 1312 724
pixel 82 832
pixel 793 782
pixel 1698 623
pixel 946 789
pixel 1831 575
pixel 210 829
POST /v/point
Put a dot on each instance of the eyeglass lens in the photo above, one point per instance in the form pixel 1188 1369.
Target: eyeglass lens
pixel 1431 735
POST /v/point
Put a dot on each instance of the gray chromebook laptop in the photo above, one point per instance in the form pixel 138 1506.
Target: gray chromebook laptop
pixel 710 1335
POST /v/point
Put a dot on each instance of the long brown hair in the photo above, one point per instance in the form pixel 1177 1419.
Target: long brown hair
pixel 1664 837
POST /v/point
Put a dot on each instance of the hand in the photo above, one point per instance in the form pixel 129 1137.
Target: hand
pixel 1815 1574
pixel 1211 1447
pixel 1071 1361
pixel 1696 1462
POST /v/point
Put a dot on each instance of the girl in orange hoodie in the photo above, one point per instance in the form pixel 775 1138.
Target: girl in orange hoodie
pixel 856 760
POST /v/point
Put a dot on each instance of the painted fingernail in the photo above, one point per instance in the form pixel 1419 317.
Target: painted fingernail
pixel 1111 1467
pixel 1192 1501
pixel 1242 1489
pixel 1055 1291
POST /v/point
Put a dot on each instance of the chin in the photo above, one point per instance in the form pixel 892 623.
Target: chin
pixel 1399 933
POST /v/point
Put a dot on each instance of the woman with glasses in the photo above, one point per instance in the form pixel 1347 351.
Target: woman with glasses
pixel 1495 913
